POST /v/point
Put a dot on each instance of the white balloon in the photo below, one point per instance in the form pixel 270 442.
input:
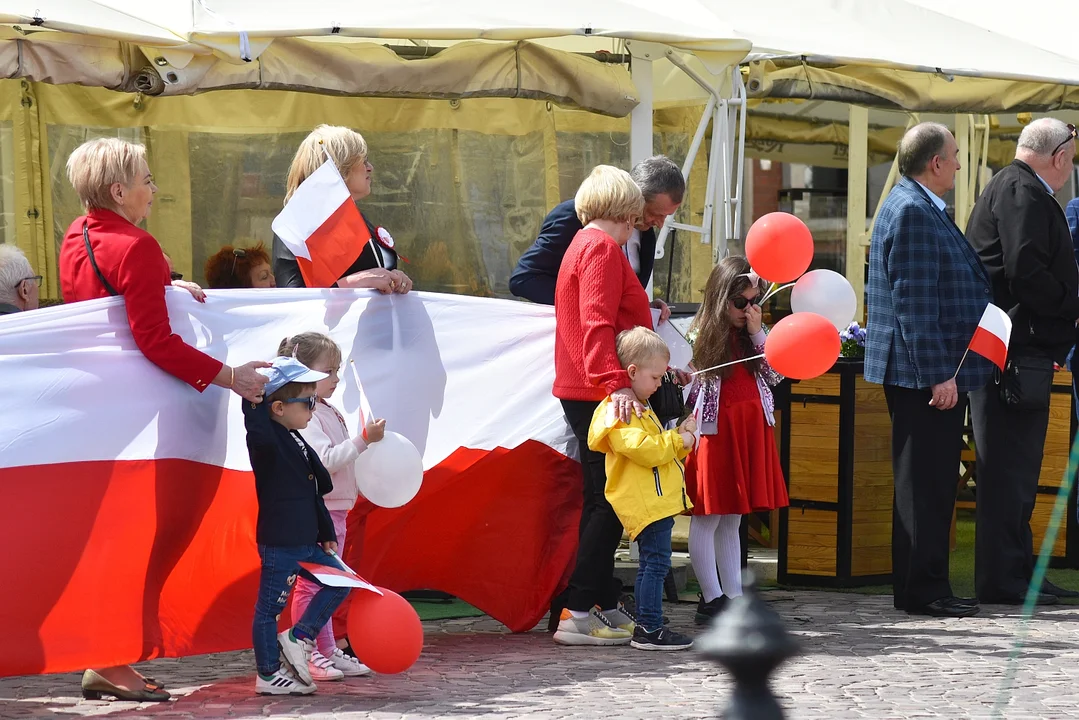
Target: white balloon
pixel 389 472
pixel 826 293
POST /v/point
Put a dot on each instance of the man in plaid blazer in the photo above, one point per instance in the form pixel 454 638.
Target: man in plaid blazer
pixel 927 290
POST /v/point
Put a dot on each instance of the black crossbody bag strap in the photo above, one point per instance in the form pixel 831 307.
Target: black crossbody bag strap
pixel 93 261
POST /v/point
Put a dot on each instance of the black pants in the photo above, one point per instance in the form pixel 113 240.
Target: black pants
pixel 926 447
pixel 1009 455
pixel 593 581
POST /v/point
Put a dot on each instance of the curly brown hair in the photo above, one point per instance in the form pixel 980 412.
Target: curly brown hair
pixel 712 323
pixel 231 267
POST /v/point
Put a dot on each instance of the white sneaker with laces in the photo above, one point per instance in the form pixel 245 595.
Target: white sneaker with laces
pixel 348 665
pixel 281 682
pixel 297 654
pixel 322 668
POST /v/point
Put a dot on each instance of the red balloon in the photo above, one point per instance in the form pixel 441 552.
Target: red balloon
pixel 802 346
pixel 779 246
pixel 384 630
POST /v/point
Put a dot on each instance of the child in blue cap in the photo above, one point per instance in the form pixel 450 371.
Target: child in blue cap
pixel 294 525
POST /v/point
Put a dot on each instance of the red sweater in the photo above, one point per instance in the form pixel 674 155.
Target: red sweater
pixel 597 296
pixel 132 262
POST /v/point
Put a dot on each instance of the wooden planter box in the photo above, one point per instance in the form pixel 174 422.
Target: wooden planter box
pixel 834 438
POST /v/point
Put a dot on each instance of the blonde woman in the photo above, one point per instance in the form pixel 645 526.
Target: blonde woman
pixel 597 296
pixel 375 265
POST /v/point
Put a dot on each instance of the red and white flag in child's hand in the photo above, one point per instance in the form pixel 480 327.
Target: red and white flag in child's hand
pixel 992 335
pixel 322 227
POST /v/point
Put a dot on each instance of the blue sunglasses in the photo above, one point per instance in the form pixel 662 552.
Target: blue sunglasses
pixel 311 401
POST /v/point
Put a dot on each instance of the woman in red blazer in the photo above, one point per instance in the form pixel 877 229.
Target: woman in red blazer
pixel 597 296
pixel 105 253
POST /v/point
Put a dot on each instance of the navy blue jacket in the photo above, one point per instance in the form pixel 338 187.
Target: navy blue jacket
pixel 926 293
pixel 1022 237
pixel 1071 212
pixel 536 273
pixel 289 486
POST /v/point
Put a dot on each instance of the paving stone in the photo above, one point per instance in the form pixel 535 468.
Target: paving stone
pixel 861 659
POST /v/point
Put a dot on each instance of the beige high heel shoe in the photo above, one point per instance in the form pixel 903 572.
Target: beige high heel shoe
pixel 122 683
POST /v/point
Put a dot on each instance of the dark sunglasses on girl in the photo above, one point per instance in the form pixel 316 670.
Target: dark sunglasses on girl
pixel 311 401
pixel 741 301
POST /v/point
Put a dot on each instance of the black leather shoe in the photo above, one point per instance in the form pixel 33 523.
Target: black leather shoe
pixel 1043 599
pixel 968 601
pixel 944 607
pixel 1050 589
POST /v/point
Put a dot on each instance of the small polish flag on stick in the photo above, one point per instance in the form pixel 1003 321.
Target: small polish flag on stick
pixel 991 337
pixel 335 577
pixel 322 227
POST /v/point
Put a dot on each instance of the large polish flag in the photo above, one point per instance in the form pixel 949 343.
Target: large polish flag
pixel 992 335
pixel 129 523
pixel 322 227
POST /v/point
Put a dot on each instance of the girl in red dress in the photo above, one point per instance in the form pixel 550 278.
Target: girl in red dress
pixel 735 470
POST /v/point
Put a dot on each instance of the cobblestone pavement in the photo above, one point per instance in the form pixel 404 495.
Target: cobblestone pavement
pixel 861 659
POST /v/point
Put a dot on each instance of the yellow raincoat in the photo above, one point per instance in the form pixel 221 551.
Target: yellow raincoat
pixel 646 479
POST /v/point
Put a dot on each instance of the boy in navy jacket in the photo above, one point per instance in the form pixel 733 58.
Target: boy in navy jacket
pixel 294 525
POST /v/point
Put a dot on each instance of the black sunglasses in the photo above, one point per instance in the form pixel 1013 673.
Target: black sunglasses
pixel 311 401
pixel 1072 134
pixel 741 301
pixel 36 279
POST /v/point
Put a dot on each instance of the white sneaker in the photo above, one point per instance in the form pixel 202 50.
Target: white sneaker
pixel 348 665
pixel 281 682
pixel 297 655
pixel 322 668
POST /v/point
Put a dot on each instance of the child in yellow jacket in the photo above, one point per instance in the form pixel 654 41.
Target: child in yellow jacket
pixel 645 480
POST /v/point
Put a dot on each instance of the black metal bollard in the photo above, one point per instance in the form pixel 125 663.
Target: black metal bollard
pixel 749 640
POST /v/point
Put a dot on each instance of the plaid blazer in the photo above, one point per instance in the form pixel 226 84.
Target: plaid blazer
pixel 927 290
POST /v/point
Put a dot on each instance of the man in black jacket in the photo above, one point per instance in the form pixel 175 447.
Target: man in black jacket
pixel 536 273
pixel 1022 236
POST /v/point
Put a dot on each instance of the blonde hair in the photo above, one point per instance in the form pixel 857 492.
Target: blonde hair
pixel 608 193
pixel 638 345
pixel 345 146
pixel 308 347
pixel 97 164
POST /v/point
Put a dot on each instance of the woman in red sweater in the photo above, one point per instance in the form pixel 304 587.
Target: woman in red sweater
pixel 597 296
pixel 105 253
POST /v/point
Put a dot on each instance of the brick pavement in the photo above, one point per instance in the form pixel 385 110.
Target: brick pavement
pixel 861 660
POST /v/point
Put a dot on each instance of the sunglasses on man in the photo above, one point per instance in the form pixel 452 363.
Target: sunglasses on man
pixel 1072 135
pixel 311 401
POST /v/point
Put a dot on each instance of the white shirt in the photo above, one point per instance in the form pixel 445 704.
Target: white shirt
pixel 633 250
pixel 933 196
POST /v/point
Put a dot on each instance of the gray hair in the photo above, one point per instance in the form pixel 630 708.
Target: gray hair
pixel 658 175
pixel 919 146
pixel 1044 136
pixel 14 268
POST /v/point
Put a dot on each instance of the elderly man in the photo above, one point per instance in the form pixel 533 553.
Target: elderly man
pixel 1022 236
pixel 662 185
pixel 926 292
pixel 18 283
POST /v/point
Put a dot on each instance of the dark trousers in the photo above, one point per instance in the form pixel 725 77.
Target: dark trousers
pixel 926 446
pixel 1009 454
pixel 593 581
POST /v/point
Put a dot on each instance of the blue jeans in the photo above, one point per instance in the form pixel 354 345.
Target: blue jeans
pixel 279 568
pixel 654 544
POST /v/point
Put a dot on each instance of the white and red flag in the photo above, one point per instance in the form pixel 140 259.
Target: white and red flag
pixel 992 335
pixel 142 487
pixel 322 227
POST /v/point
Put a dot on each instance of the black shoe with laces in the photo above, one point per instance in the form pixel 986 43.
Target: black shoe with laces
pixel 663 639
pixel 707 611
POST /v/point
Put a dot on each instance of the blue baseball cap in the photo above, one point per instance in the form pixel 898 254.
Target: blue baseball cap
pixel 286 370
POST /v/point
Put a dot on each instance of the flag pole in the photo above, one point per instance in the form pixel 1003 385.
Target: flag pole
pixel 732 362
pixel 359 389
pixel 961 363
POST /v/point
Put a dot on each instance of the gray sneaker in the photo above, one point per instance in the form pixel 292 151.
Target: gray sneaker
pixel 595 629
